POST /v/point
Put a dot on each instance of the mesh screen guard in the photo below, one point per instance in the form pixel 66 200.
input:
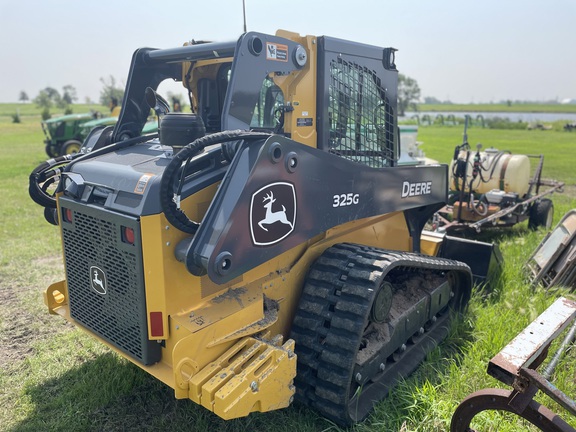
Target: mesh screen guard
pixel 361 118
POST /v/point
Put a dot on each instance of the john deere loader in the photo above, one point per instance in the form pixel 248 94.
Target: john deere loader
pixel 266 245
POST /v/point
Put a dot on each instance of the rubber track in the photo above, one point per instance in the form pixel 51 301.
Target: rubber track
pixel 330 320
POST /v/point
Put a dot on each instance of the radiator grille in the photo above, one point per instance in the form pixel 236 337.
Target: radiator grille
pixel 93 249
pixel 361 117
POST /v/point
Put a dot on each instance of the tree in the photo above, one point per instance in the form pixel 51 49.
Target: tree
pixel 408 93
pixel 432 100
pixel 44 99
pixel 69 94
pixel 23 97
pixel 49 97
pixel 110 91
pixel 53 94
pixel 46 114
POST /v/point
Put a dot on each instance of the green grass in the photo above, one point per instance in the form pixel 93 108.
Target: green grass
pixel 53 377
pixel 514 107
pixel 558 147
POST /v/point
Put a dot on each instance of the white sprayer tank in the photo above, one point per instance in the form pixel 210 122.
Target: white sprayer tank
pixel 503 171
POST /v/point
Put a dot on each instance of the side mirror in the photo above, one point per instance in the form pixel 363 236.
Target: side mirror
pixel 156 102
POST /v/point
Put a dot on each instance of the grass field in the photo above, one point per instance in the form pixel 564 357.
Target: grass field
pixel 514 107
pixel 30 110
pixel 53 377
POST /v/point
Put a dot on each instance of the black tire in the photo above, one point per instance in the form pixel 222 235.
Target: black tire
pixel 51 215
pixel 541 214
pixel 70 147
pixel 51 150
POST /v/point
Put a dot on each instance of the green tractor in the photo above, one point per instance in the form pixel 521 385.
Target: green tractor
pixel 101 121
pixel 149 127
pixel 64 135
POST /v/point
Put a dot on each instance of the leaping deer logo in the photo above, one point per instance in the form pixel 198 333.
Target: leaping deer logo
pixel 272 213
pixel 98 280
pixel 271 216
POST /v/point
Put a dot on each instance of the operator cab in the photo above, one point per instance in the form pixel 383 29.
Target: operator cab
pixel 310 89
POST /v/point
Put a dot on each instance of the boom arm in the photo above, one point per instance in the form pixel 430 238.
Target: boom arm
pixel 312 191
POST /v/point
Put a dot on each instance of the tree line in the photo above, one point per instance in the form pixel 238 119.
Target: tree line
pixel 49 97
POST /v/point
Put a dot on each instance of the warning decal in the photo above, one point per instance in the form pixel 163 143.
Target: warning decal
pixel 277 52
pixel 142 183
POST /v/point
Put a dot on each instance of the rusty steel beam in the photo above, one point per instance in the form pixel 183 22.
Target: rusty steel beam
pixel 530 345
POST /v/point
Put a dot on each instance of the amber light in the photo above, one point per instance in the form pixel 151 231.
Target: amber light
pixel 128 235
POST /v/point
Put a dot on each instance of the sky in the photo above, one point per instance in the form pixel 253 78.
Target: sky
pixel 461 51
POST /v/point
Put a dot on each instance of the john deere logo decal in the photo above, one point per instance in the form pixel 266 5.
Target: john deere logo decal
pixel 98 280
pixel 272 213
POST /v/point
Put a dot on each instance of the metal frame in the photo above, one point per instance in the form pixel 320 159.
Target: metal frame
pixel 554 260
pixel 515 365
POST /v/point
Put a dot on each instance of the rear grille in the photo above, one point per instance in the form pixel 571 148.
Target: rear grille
pixel 105 279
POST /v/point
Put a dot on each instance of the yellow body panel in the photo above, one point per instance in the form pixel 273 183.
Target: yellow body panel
pixel 159 238
pixel 299 90
pixel 192 72
pixel 430 242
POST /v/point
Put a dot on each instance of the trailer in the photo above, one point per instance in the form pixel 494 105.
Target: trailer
pixel 493 188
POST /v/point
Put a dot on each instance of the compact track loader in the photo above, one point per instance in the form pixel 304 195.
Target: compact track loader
pixel 265 245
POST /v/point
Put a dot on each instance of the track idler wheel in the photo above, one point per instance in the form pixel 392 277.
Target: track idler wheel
pixel 382 303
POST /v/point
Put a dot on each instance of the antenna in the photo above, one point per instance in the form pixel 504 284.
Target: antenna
pixel 244 13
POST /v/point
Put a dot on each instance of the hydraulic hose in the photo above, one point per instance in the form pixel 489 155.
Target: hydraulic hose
pixel 492 166
pixel 479 207
pixel 45 175
pixel 48 173
pixel 170 193
pixel 464 175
